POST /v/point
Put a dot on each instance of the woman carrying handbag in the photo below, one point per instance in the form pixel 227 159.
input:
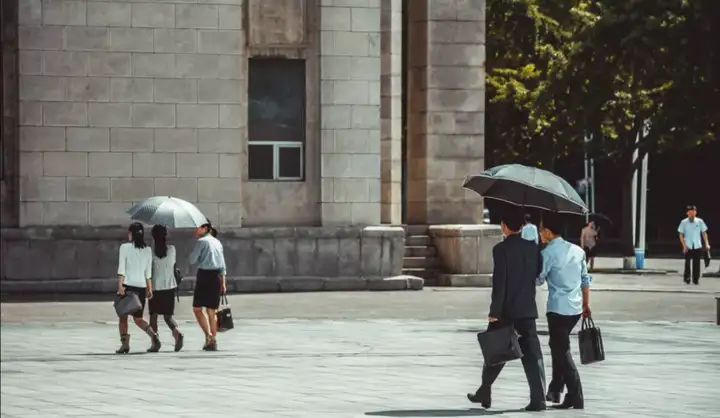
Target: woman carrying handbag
pixel 210 283
pixel 134 273
pixel 164 284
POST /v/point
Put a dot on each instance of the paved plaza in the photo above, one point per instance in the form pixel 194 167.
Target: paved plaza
pixel 362 354
pixel 354 368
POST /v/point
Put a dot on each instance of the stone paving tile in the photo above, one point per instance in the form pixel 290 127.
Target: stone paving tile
pixel 339 369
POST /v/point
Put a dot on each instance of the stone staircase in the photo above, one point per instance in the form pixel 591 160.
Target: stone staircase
pixel 421 257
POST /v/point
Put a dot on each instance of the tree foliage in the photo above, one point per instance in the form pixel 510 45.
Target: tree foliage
pixel 560 70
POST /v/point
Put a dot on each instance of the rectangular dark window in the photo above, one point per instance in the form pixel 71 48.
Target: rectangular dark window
pixel 276 118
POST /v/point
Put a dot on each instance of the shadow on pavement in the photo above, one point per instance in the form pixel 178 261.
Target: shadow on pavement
pixel 472 412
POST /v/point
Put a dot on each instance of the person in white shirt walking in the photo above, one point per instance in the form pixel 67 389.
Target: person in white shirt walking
pixel 134 273
pixel 164 284
pixel 588 242
pixel 529 231
pixel 694 240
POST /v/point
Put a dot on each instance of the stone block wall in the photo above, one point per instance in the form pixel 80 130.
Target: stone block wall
pixel 121 100
pixel 446 110
pixel 350 112
pixel 84 259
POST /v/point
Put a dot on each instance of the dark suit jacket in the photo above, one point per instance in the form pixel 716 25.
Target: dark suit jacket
pixel 517 263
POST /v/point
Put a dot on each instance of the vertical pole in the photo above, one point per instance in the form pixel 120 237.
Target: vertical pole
pixel 643 199
pixel 587 186
pixel 634 196
pixel 592 182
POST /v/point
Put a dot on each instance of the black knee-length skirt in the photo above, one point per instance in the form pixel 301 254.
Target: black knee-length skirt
pixel 207 289
pixel 162 302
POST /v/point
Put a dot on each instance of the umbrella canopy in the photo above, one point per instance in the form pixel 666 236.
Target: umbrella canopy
pixel 599 218
pixel 527 186
pixel 167 211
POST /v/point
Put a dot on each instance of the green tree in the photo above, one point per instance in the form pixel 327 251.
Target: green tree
pixel 561 70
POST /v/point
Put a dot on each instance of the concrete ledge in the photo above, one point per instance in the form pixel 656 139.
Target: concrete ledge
pixel 465 249
pixel 634 272
pixel 234 285
pixel 465 280
pixel 65 253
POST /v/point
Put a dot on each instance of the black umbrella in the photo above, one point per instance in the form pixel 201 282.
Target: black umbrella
pixel 527 186
pixel 601 219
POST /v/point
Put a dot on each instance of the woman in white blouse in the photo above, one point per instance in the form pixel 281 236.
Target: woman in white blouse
pixel 164 285
pixel 134 272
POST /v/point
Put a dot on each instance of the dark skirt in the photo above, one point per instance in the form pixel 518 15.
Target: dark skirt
pixel 142 295
pixel 207 289
pixel 590 252
pixel 162 302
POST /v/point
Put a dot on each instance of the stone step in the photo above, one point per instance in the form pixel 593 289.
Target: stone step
pixel 416 230
pixel 420 262
pixel 429 275
pixel 418 241
pixel 420 251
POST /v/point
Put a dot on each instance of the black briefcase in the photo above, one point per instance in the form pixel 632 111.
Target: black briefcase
pixel 499 345
pixel 224 316
pixel 590 342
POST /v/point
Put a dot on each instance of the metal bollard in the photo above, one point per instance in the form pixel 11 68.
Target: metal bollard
pixel 717 301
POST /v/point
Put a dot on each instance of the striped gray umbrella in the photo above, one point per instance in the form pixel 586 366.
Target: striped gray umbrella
pixel 167 211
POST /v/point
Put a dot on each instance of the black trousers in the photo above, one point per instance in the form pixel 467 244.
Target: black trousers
pixel 532 359
pixel 564 371
pixel 694 256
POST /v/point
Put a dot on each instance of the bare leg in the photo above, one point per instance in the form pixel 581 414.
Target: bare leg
pixel 123 325
pixel 592 263
pixel 154 322
pixel 124 337
pixel 170 321
pixel 202 321
pixel 212 318
pixel 155 346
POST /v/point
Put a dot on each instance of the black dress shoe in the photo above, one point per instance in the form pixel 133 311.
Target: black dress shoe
pixel 687 281
pixel 536 407
pixel 482 396
pixel 553 397
pixel 569 402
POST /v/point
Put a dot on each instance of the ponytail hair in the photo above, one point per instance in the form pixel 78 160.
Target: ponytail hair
pixel 213 232
pixel 159 234
pixel 137 232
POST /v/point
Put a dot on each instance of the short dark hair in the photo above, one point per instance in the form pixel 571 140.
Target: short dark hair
pixel 512 218
pixel 553 222
pixel 690 207
pixel 528 218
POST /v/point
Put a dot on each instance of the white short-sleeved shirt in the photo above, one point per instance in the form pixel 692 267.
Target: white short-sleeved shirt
pixel 692 231
pixel 135 264
pixel 163 270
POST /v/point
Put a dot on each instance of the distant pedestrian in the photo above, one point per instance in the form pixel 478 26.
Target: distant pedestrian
pixel 164 285
pixel 588 242
pixel 529 231
pixel 565 270
pixel 134 274
pixel 516 266
pixel 210 283
pixel 694 240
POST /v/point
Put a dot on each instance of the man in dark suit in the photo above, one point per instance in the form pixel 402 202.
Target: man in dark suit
pixel 517 263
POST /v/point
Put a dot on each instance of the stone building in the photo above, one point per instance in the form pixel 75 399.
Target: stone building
pixel 281 119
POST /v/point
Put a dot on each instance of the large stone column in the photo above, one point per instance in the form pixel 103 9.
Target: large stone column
pixel 350 112
pixel 446 96
pixel 391 21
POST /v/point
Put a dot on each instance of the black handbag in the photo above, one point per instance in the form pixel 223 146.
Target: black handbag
pixel 127 304
pixel 707 257
pixel 178 278
pixel 499 345
pixel 224 316
pixel 590 342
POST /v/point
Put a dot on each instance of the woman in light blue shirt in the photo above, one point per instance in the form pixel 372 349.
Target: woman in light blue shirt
pixel 565 271
pixel 210 284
